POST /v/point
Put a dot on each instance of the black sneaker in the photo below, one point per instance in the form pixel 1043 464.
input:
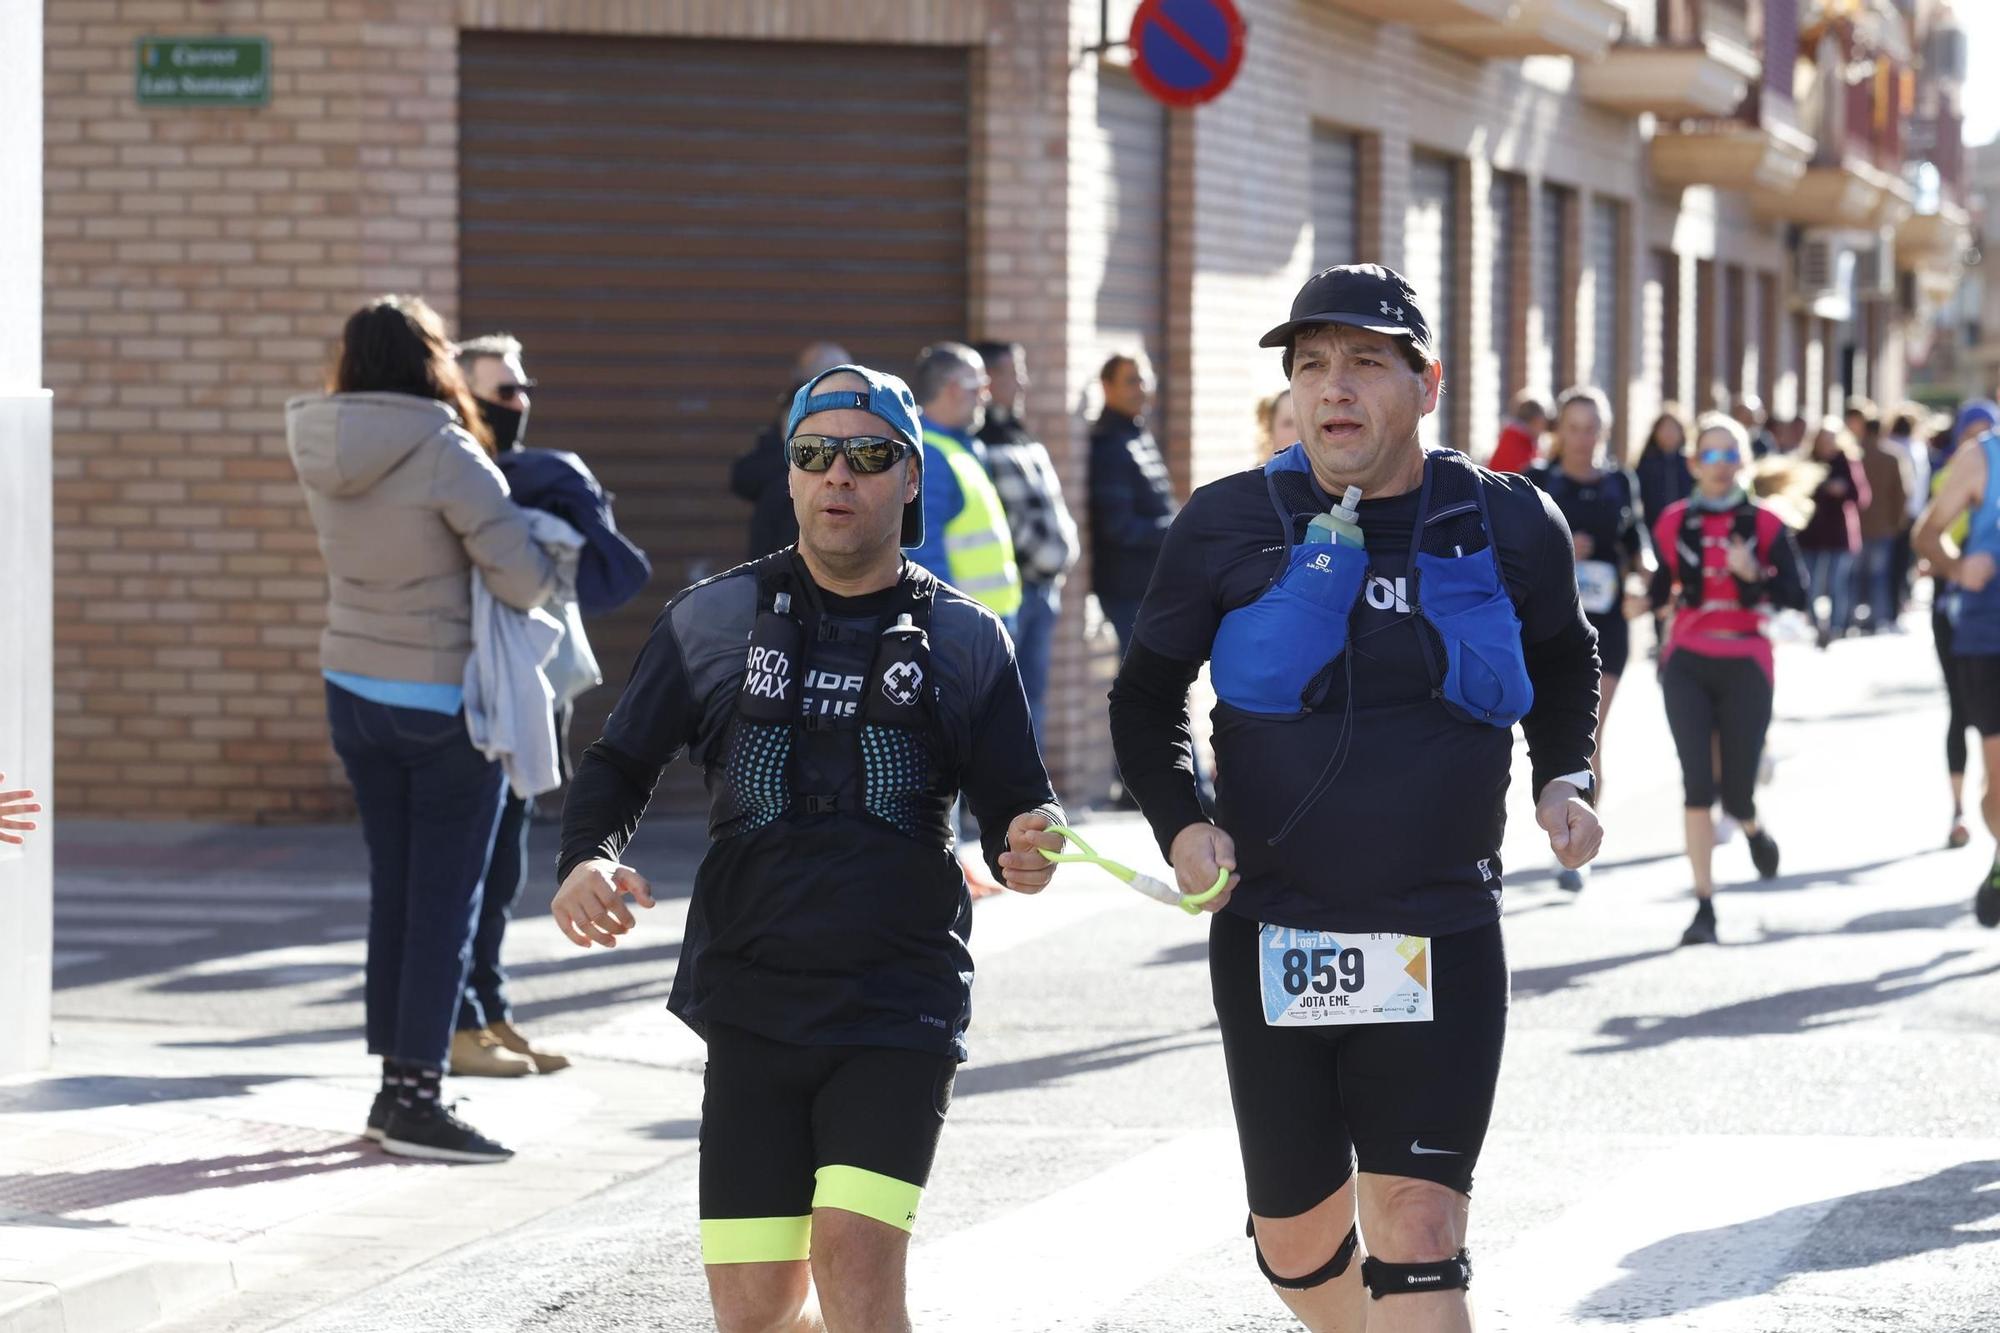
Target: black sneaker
pixel 1764 854
pixel 1986 905
pixel 431 1132
pixel 378 1115
pixel 1702 929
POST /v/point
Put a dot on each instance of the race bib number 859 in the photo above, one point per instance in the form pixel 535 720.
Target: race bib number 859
pixel 1314 978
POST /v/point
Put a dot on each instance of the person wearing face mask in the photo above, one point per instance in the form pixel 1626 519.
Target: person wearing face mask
pixel 611 571
pixel 1725 563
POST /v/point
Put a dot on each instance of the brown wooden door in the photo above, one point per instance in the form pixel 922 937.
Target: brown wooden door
pixel 664 224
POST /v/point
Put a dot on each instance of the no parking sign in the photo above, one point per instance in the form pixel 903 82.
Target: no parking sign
pixel 1185 52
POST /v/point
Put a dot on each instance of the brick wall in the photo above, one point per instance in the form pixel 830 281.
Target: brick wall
pixel 198 264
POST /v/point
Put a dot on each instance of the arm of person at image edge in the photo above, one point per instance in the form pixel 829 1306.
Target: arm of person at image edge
pixel 612 570
pixel 1959 491
pixel 1776 579
pixel 1152 735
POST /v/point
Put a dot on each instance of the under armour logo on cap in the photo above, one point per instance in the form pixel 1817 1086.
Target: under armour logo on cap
pixel 1362 296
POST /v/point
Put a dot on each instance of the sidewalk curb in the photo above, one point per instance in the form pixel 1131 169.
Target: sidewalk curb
pixel 110 1292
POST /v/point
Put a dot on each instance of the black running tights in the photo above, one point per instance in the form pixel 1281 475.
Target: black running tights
pixel 1954 738
pixel 1729 697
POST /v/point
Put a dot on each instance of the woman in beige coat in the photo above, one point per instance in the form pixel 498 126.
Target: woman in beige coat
pixel 407 503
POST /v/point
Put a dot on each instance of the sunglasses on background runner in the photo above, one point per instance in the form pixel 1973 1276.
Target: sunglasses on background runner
pixel 507 393
pixel 866 454
pixel 1721 456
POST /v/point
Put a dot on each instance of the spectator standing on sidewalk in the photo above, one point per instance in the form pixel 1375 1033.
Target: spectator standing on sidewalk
pixel 1520 441
pixel 1045 538
pixel 1832 537
pixel 759 475
pixel 1885 525
pixel 967 542
pixel 1903 442
pixel 611 572
pixel 400 480
pixel 1131 496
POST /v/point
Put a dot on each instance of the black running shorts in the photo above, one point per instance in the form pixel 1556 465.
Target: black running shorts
pixel 1404 1099
pixel 787 1128
pixel 1979 689
pixel 1614 643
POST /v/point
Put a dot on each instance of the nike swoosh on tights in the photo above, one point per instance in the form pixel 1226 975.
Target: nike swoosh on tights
pixel 1419 1149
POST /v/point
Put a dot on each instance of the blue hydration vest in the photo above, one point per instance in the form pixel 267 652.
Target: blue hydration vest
pixel 1277 656
pixel 1976 615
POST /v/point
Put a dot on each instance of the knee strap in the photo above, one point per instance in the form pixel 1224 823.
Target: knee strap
pixel 1385 1279
pixel 1326 1272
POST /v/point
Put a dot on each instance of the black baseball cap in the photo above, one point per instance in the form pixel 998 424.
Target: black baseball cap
pixel 1364 296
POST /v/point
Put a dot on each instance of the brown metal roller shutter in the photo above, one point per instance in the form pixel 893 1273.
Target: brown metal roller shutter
pixel 665 223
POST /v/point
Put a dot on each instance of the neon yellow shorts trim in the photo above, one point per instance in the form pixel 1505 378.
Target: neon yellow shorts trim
pixel 755 1240
pixel 869 1193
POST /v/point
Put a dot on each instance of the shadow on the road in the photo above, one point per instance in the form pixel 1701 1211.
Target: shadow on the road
pixel 1877 923
pixel 1547 874
pixel 674 1129
pixel 1954 1207
pixel 1787 1012
pixel 57 1193
pixel 1012 1075
pixel 84 1093
pixel 1196 952
pixel 1530 982
pixel 1833 875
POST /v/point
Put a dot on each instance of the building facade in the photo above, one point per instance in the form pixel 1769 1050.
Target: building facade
pixel 1698 200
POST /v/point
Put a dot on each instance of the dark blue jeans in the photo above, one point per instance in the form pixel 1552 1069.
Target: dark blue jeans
pixel 429 803
pixel 485 999
pixel 1034 643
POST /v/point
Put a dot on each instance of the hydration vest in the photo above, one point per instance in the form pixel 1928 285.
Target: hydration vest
pixel 1976 615
pixel 891 770
pixel 1693 568
pixel 1277 655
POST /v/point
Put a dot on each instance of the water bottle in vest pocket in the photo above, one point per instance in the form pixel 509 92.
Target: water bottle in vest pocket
pixel 1463 597
pixel 1267 653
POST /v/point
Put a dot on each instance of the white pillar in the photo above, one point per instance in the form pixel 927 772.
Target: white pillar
pixel 26 555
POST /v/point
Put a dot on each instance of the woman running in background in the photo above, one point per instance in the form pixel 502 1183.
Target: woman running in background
pixel 1725 562
pixel 1974 420
pixel 1601 505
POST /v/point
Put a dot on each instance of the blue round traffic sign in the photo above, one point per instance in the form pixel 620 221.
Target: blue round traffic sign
pixel 1185 52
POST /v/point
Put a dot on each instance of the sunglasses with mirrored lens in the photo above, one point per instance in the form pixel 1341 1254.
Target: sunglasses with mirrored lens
pixel 1721 456
pixel 507 393
pixel 866 454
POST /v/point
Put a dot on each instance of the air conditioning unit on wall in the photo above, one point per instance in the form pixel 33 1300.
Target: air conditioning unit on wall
pixel 1823 276
pixel 1875 268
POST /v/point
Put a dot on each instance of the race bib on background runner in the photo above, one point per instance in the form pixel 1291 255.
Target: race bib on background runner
pixel 1597 586
pixel 1319 978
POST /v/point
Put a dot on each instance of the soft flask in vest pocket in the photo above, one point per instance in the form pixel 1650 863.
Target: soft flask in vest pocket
pixel 898 770
pixel 1463 598
pixel 1268 653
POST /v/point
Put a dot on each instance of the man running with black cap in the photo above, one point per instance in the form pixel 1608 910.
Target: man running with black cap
pixel 1377 617
pixel 838 698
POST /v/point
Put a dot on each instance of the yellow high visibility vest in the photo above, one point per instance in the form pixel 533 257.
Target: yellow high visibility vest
pixel 978 544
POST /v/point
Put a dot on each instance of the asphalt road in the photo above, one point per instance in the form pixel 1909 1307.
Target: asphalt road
pixel 1797 1130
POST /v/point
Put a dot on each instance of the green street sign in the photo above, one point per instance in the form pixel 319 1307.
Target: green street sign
pixel 204 71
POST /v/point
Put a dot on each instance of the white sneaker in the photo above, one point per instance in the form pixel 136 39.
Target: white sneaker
pixel 1725 829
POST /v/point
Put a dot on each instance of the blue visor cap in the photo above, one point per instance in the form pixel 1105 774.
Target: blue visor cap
pixel 1978 412
pixel 886 398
